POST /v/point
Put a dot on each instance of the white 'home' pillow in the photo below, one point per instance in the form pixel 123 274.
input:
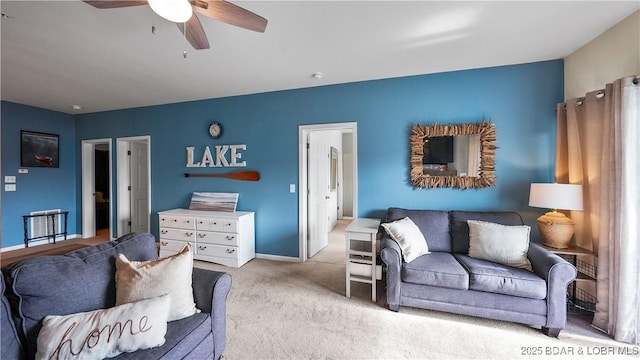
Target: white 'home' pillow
pixel 136 280
pixel 503 244
pixel 407 234
pixel 104 333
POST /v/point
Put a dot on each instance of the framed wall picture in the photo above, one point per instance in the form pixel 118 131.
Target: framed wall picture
pixel 39 149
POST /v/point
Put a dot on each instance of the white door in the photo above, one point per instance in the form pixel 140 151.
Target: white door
pixel 88 190
pixel 318 182
pixel 340 191
pixel 139 162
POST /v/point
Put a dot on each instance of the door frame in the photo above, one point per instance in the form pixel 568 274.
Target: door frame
pixel 88 186
pixel 124 175
pixel 303 132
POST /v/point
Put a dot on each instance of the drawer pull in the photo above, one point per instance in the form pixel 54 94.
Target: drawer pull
pixel 228 224
pixel 175 220
pixel 202 247
pixel 164 243
pixel 231 251
pixel 202 236
pixel 163 232
pixel 230 238
pixel 188 234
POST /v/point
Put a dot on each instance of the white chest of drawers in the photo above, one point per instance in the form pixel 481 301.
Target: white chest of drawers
pixel 226 238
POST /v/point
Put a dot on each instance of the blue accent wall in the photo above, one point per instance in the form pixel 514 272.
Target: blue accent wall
pixel 519 99
pixel 41 188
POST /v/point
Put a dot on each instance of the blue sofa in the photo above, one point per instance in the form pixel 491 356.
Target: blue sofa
pixel 449 280
pixel 84 280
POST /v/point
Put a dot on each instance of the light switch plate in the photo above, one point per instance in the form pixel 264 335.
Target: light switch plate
pixel 292 188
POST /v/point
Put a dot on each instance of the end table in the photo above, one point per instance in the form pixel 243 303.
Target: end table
pixel 361 253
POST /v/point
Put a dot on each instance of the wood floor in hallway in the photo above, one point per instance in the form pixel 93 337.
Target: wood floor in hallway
pixel 60 247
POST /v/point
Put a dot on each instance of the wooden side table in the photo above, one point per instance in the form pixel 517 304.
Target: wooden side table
pixel 580 301
pixel 361 253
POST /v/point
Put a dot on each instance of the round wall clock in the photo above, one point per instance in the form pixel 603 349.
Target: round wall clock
pixel 215 130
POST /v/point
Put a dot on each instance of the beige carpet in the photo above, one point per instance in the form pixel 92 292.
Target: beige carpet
pixel 281 310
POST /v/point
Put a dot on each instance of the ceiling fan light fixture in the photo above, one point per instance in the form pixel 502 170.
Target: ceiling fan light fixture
pixel 177 11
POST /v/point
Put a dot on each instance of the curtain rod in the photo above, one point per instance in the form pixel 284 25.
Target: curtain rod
pixel 599 95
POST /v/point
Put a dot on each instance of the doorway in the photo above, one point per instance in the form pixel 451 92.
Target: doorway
pixel 315 206
pixel 134 184
pixel 102 194
pixel 96 187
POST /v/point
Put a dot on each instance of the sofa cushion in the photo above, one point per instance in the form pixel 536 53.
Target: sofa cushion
pixel 409 237
pixel 436 269
pixel 182 336
pixel 504 244
pixel 80 281
pixel 433 224
pixel 460 228
pixel 501 279
pixel 104 333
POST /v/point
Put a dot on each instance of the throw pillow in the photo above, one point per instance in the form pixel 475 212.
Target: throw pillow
pixel 137 280
pixel 507 245
pixel 104 333
pixel 407 234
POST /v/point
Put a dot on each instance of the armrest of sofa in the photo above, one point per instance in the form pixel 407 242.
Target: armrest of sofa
pixel 210 290
pixel 11 347
pixel 391 255
pixel 558 273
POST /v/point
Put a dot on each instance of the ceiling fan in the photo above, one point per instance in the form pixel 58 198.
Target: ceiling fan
pixel 183 13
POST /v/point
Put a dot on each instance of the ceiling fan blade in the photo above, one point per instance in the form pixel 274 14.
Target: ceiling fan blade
pixel 195 33
pixel 110 4
pixel 231 14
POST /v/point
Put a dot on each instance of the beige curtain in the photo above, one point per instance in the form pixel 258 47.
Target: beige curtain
pixel 599 147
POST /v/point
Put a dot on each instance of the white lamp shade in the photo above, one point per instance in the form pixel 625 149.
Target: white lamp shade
pixel 177 11
pixel 556 196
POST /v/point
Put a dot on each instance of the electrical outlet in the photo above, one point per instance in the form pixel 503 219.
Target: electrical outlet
pixel 9 187
pixel 10 179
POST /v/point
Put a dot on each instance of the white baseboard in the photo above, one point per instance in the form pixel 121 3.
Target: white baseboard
pixel 277 257
pixel 59 239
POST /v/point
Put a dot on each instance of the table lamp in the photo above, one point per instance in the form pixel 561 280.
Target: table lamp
pixel 556 228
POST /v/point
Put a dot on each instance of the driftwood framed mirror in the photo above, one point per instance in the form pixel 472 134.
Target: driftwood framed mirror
pixel 459 156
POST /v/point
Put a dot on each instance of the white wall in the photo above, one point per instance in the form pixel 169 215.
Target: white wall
pixel 610 56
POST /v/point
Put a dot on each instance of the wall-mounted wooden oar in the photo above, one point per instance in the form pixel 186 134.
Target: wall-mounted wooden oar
pixel 236 175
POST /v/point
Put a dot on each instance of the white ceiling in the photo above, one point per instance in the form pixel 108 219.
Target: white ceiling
pixel 59 53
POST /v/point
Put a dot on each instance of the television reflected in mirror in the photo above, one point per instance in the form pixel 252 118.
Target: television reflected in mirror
pixel 452 155
pixel 438 150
